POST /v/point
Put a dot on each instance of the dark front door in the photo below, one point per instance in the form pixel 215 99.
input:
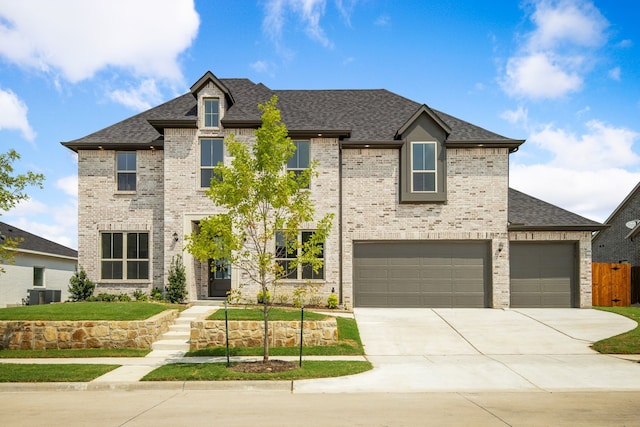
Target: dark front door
pixel 220 279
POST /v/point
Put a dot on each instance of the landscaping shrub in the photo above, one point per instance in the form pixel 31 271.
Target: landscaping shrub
pixel 80 287
pixel 138 295
pixel 156 294
pixel 261 297
pixel 176 290
pixel 332 301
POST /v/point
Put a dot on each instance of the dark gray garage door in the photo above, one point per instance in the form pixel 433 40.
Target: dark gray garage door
pixel 543 274
pixel 421 274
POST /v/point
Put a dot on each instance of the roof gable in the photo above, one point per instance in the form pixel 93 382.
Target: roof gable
pixel 209 77
pixel 429 113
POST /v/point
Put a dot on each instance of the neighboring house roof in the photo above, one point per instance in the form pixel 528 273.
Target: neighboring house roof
pixel 528 213
pixel 634 194
pixel 372 115
pixel 33 243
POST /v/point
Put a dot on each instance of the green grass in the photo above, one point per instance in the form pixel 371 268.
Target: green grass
pixel 69 353
pixel 626 343
pixel 35 373
pixel 348 344
pixel 219 372
pixel 274 314
pixel 86 311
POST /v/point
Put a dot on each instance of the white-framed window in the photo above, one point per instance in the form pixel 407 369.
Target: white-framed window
pixel 126 170
pixel 423 167
pixel 299 162
pixel 211 112
pixel 38 276
pixel 211 153
pixel 287 252
pixel 124 256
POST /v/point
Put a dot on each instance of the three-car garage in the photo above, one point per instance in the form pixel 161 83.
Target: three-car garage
pixel 458 274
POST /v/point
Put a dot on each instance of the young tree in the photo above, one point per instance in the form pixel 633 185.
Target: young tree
pixel 261 199
pixel 176 290
pixel 12 191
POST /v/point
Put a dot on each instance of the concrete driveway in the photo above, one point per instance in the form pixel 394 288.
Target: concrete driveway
pixel 486 349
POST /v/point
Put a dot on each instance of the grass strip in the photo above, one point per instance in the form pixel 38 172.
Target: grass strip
pixel 626 343
pixel 349 343
pixel 37 373
pixel 86 311
pixel 70 353
pixel 253 313
pixel 220 372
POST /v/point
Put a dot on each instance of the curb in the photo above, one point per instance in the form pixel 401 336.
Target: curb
pixel 266 385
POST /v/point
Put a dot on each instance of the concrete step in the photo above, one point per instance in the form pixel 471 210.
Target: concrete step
pixel 176 335
pixel 176 345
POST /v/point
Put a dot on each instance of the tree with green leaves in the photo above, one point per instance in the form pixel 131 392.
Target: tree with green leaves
pixel 261 200
pixel 12 191
pixel 176 290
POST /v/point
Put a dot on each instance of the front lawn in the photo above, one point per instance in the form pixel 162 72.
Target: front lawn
pixel 220 372
pixel 86 311
pixel 626 343
pixel 36 373
pixel 275 314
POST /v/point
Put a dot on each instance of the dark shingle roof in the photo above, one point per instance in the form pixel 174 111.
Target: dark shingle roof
pixel 35 243
pixel 363 115
pixel 528 213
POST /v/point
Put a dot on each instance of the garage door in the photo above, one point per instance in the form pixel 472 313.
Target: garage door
pixel 421 274
pixel 543 274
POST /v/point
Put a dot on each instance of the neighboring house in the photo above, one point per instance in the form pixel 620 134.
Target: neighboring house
pixel 37 264
pixel 620 241
pixel 424 216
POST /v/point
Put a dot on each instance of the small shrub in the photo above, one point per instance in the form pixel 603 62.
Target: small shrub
pixel 80 287
pixel 124 298
pixel 103 297
pixel 234 296
pixel 261 297
pixel 156 294
pixel 332 301
pixel 138 295
pixel 299 296
pixel 176 290
pixel 282 299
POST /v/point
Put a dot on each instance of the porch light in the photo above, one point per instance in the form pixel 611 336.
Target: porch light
pixel 175 236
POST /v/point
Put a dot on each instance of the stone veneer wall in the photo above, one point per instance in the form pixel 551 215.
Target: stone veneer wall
pixel 46 335
pixel 246 333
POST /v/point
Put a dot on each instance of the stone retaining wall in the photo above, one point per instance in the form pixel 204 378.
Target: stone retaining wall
pixel 246 333
pixel 41 335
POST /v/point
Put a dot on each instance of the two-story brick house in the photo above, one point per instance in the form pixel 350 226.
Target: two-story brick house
pixel 424 215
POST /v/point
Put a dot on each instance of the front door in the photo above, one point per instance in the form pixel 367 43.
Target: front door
pixel 220 279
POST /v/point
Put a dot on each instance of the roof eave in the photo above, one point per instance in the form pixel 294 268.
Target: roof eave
pixel 393 143
pixel 511 144
pixel 156 144
pixel 161 125
pixel 583 227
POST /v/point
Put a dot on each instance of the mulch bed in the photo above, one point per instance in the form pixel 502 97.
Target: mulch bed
pixel 262 367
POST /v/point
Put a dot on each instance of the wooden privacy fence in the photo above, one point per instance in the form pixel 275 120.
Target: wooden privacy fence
pixel 635 285
pixel 611 284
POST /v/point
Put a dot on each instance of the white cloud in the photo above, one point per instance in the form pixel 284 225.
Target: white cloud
pixel 555 56
pixel 382 21
pixel 567 21
pixel 517 117
pixel 589 174
pixel 138 98
pixel 75 39
pixel 14 115
pixel 615 73
pixel 308 11
pixel 539 76
pixel 68 184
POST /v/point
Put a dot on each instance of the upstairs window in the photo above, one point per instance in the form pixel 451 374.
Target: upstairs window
pixel 423 167
pixel 124 256
pixel 300 159
pixel 126 171
pixel 211 153
pixel 211 112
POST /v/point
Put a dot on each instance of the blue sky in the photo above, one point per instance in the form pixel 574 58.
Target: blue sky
pixel 564 75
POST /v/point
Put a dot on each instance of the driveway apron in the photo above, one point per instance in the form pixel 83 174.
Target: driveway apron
pixel 485 350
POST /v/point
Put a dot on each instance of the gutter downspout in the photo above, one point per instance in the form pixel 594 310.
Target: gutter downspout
pixel 341 264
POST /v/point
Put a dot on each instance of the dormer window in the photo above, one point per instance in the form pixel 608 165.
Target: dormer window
pixel 211 112
pixel 423 167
